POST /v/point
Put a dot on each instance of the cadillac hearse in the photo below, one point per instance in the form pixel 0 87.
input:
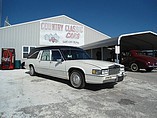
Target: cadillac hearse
pixel 73 64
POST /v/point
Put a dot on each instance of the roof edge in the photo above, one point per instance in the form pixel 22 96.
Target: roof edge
pixel 87 26
pixel 51 18
pixel 30 22
pixel 136 33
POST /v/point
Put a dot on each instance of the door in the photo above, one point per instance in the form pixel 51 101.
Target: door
pixel 126 59
pixel 58 65
pixel 43 63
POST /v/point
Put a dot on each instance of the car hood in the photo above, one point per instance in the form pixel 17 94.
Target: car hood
pixel 96 63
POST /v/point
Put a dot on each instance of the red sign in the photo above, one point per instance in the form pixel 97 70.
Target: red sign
pixel 8 58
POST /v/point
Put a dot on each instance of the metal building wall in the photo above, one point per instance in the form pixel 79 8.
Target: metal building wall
pixel 90 35
pixel 18 36
pixel 28 34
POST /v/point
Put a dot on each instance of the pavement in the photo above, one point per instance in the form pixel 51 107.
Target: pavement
pixel 25 96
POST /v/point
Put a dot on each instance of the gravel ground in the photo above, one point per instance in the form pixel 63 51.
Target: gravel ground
pixel 23 96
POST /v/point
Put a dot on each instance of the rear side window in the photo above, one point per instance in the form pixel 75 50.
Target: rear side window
pixel 34 55
pixel 45 55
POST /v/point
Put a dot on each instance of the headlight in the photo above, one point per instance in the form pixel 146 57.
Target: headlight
pixel 100 72
pixel 105 72
pixel 122 69
pixel 96 72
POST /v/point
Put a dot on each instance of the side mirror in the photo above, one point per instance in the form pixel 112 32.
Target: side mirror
pixel 59 60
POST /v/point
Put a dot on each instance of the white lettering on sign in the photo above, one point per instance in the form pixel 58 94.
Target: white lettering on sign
pixel 61 34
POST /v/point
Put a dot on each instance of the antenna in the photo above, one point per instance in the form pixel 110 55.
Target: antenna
pixel 6 22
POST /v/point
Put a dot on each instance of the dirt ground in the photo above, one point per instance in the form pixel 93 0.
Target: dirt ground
pixel 24 96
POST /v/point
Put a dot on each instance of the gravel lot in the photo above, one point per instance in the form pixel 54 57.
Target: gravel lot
pixel 23 96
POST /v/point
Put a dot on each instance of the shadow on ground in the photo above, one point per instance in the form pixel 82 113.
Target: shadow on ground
pixel 93 87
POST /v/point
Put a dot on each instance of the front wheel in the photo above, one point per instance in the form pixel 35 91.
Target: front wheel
pixel 134 67
pixel 77 79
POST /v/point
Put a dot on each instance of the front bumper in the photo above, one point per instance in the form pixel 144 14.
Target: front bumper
pixel 116 78
pixel 105 79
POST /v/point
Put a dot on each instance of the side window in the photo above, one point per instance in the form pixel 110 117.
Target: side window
pixel 56 55
pixel 34 55
pixel 45 55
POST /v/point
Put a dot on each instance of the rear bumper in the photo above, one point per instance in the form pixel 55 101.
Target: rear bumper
pixel 152 66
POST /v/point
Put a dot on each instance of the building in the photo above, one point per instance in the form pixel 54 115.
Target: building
pixel 59 30
pixel 63 30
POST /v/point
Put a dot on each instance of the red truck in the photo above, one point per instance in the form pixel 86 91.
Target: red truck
pixel 136 60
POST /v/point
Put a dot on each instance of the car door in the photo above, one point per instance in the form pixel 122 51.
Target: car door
pixel 44 62
pixel 57 65
pixel 126 59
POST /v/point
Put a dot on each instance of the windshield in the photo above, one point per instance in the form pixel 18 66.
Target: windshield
pixel 141 53
pixel 74 54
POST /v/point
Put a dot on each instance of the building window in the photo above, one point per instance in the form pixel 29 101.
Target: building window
pixel 26 50
pixel 32 48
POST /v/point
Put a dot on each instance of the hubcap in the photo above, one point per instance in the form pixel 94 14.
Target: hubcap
pixel 134 67
pixel 76 80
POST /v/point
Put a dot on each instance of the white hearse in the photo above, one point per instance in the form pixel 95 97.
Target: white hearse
pixel 74 64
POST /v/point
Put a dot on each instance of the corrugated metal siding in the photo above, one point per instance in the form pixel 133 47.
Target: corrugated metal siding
pixel 18 36
pixel 93 36
pixel 28 34
pixel 62 19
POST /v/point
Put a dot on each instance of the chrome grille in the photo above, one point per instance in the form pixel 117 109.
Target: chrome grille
pixel 115 69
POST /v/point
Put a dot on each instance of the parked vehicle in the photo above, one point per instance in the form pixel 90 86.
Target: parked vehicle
pixel 136 60
pixel 74 64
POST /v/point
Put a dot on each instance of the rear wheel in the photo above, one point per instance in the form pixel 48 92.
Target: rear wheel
pixel 31 71
pixel 77 79
pixel 134 67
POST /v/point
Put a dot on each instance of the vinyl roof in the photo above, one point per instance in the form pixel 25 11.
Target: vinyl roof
pixel 50 48
pixel 139 41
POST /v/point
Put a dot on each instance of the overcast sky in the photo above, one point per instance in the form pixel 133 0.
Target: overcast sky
pixel 112 17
